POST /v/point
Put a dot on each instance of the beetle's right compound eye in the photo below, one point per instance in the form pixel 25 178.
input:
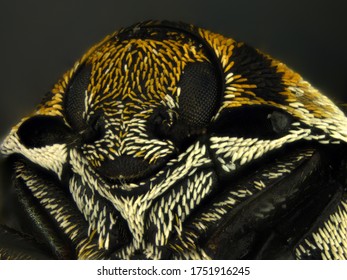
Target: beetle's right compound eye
pixel 75 96
pixel 40 131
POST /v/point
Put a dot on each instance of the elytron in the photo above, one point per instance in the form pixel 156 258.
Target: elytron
pixel 168 141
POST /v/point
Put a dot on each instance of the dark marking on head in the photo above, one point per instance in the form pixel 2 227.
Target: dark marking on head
pixel 40 131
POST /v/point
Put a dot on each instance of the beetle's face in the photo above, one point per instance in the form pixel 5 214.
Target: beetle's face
pixel 147 122
pixel 134 103
pixel 136 100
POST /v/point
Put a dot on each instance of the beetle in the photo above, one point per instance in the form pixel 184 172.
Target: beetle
pixel 169 141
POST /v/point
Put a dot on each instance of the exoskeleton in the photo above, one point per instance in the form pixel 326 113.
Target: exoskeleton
pixel 168 141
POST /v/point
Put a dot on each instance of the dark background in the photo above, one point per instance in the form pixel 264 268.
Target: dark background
pixel 40 40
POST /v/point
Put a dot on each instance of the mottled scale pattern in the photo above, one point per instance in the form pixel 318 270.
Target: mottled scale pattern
pixel 169 141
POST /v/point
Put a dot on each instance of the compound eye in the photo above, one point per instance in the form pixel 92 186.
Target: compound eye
pixel 40 131
pixel 75 97
pixel 200 93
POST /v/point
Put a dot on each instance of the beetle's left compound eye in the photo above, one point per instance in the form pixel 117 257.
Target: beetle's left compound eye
pixel 200 93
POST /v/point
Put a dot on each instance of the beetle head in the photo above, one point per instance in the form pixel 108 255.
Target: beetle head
pixel 144 93
pixel 163 109
pixel 132 103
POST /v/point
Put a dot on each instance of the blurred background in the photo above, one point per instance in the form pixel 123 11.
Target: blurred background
pixel 41 39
